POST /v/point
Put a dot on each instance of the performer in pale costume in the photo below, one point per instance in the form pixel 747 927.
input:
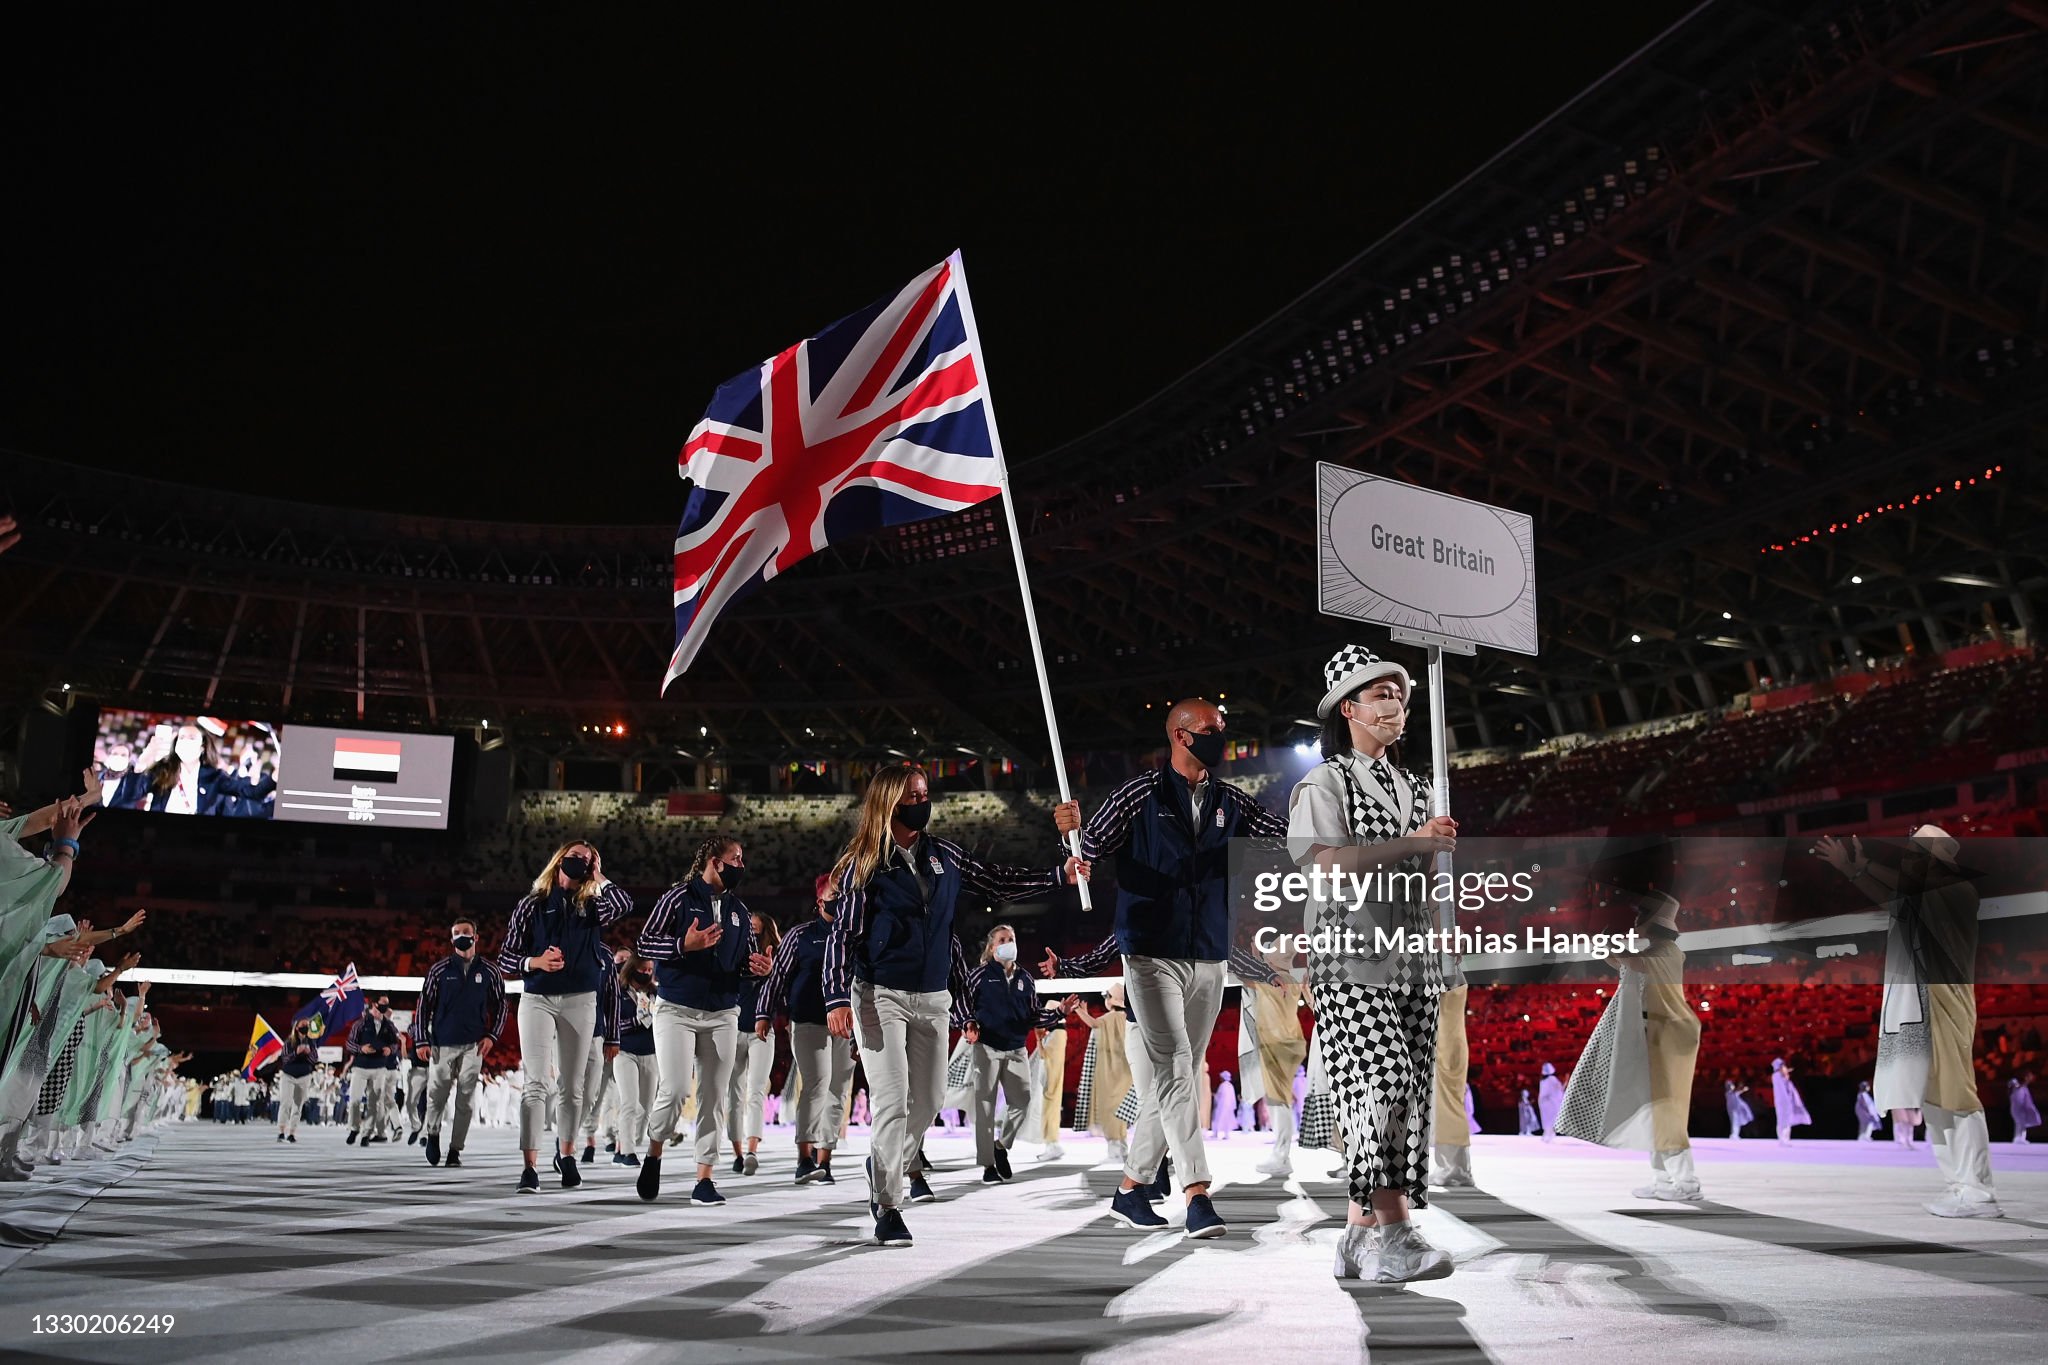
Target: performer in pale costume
pixel 1105 1074
pixel 1223 1113
pixel 1739 1112
pixel 1928 1023
pixel 1359 814
pixel 1450 1159
pixel 2019 1097
pixel 1633 1085
pixel 1270 1051
pixel 1525 1116
pixel 1550 1101
pixel 1867 1116
pixel 1789 1105
pixel 1051 1062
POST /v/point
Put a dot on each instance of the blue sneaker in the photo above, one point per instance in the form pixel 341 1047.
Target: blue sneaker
pixel 1203 1222
pixel 706 1194
pixel 889 1229
pixel 625 1159
pixel 1163 1186
pixel 1132 1209
pixel 921 1190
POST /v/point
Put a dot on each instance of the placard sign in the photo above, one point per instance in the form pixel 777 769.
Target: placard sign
pixel 1397 555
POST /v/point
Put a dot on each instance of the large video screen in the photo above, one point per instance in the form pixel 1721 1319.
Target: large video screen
pixel 361 777
pixel 252 770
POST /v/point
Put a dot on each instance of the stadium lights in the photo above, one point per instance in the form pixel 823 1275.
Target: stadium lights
pixel 1856 578
pixel 1727 616
pixel 1304 749
pixel 1635 639
pixel 703 730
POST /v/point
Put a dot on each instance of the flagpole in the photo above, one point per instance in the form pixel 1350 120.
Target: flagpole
pixel 995 437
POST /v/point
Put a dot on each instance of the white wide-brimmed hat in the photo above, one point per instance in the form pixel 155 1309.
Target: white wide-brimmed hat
pixel 1351 668
pixel 1939 842
pixel 1655 907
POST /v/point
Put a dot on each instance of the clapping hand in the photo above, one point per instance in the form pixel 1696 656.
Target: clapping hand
pixel 696 938
pixel 1051 966
pixel 760 964
pixel 1846 858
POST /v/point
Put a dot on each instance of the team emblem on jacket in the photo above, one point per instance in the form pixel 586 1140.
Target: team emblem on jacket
pixel 938 868
pixel 733 918
pixel 477 980
pixel 1219 817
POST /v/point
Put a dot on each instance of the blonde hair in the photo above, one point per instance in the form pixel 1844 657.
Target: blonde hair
pixel 544 884
pixel 869 845
pixel 988 945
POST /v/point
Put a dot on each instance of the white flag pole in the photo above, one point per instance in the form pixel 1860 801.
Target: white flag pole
pixel 1052 724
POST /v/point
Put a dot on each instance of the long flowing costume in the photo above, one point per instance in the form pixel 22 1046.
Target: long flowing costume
pixel 1739 1112
pixel 2020 1100
pixel 1633 1085
pixel 1270 1051
pixel 1525 1116
pixel 1867 1115
pixel 1785 1096
pixel 1105 1079
pixel 1550 1100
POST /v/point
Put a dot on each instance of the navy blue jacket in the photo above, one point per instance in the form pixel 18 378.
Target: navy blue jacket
pixel 559 921
pixel 795 986
pixel 1173 871
pixel 299 1057
pixel 897 930
pixel 709 978
pixel 221 792
pixel 636 1036
pixel 460 1003
pixel 1004 1006
pixel 750 1002
pixel 373 1032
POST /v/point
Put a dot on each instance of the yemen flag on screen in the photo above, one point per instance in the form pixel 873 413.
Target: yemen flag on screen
pixel 265 1047
pixel 365 760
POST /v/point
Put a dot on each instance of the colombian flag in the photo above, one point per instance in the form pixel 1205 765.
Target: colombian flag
pixel 265 1047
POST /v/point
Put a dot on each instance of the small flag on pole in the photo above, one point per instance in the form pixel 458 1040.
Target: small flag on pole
pixel 265 1047
pixel 878 420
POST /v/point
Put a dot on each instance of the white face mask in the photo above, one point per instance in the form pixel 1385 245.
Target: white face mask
pixel 189 750
pixel 1006 952
pixel 1384 718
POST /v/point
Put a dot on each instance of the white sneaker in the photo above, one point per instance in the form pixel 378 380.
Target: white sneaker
pixel 1358 1256
pixel 1405 1256
pixel 1052 1153
pixel 1677 1194
pixel 1955 1205
pixel 1276 1165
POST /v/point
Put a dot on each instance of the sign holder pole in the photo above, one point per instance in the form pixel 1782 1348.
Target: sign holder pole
pixel 1439 751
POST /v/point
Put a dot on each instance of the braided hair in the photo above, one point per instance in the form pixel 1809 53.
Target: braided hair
pixel 713 847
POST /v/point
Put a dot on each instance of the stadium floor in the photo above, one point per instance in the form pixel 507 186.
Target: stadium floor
pixel 264 1251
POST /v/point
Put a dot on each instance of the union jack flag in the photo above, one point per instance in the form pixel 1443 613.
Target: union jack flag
pixel 343 984
pixel 880 419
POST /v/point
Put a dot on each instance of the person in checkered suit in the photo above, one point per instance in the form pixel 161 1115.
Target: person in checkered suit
pixel 1359 813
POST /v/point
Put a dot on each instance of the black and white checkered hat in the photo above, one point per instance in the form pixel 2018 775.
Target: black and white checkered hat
pixel 1351 668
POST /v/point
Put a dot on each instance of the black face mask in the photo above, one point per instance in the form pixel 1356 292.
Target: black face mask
pixel 576 868
pixel 732 877
pixel 463 943
pixel 914 818
pixel 1207 749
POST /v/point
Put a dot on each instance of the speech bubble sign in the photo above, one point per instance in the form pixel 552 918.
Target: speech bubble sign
pixel 1398 555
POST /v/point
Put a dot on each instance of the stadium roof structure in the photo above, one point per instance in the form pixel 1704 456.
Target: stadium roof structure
pixel 1753 328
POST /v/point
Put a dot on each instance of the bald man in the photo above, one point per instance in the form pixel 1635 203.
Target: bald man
pixel 1170 833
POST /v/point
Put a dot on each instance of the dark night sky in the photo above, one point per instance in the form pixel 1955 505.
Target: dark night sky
pixel 494 266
